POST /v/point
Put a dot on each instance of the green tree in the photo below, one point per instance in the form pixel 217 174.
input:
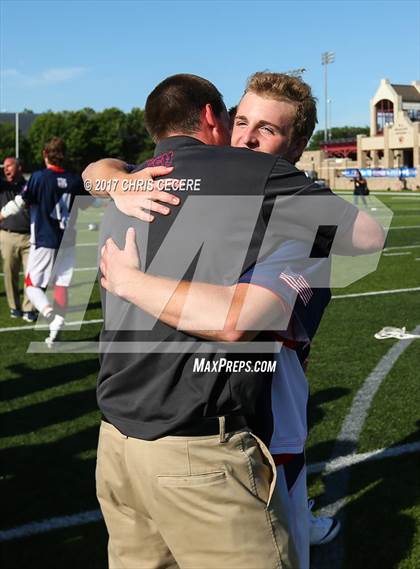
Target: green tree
pixel 81 138
pixel 111 131
pixel 90 136
pixel 138 145
pixel 43 128
pixel 336 133
pixel 7 140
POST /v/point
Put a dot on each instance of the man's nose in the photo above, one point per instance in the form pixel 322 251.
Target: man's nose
pixel 250 139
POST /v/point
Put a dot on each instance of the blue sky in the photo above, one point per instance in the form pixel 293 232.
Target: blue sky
pixel 70 54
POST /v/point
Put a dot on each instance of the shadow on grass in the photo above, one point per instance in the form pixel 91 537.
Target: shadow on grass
pixel 378 531
pixel 63 407
pixel 30 380
pixel 57 478
pixel 315 411
pixel 83 547
pixel 45 480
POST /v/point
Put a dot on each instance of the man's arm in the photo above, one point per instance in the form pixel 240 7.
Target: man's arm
pixel 12 207
pixel 210 311
pixel 133 193
pixel 301 207
pixel 365 236
pixel 108 169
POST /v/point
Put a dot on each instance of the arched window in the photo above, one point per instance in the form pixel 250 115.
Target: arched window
pixel 384 114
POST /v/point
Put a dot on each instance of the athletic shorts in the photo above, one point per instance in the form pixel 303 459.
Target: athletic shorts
pixel 50 266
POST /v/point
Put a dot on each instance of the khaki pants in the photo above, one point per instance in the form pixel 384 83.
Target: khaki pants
pixel 14 250
pixel 190 502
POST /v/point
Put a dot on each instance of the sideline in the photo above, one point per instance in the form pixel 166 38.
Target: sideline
pixel 375 292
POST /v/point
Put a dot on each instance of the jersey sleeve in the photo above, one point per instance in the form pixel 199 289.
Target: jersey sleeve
pixel 291 274
pixel 30 193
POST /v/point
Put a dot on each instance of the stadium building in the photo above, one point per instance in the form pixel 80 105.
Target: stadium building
pixel 390 157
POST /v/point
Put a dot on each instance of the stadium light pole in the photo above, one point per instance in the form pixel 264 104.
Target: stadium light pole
pixel 329 118
pixel 326 58
pixel 17 135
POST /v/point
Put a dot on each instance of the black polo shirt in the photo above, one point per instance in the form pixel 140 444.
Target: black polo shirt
pixel 18 223
pixel 149 385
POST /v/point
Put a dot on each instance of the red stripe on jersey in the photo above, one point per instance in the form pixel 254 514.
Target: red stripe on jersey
pixel 282 458
pixel 28 281
pixel 54 168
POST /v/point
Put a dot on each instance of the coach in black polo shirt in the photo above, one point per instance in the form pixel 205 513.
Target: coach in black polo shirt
pixel 181 480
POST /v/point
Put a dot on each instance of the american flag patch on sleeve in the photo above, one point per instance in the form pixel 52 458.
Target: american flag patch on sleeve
pixel 299 284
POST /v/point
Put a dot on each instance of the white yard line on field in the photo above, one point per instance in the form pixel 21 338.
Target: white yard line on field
pixel 77 270
pixel 404 227
pixel 353 423
pixel 92 516
pixel 44 526
pixel 44 327
pixel 417 246
pixel 397 254
pixel 345 447
pixel 375 292
pixel 352 459
pixel 405 196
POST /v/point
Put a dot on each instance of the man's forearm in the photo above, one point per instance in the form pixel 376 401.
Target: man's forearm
pixel 198 308
pixel 364 237
pixel 12 207
pixel 108 170
pixel 213 312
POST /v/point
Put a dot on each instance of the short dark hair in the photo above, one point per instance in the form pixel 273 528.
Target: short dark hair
pixel 55 149
pixel 176 103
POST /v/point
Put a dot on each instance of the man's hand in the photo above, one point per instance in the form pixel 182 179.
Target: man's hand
pixel 119 267
pixel 141 203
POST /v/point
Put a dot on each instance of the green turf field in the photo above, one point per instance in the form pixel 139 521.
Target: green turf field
pixel 49 418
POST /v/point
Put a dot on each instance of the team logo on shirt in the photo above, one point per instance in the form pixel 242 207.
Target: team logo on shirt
pixel 299 284
pixel 62 183
pixel 165 159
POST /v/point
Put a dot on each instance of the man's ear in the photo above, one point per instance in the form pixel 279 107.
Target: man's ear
pixel 208 116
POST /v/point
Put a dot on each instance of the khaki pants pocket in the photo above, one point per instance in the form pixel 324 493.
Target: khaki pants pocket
pixel 206 479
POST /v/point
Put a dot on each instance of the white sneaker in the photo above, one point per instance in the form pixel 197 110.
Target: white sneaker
pixel 56 324
pixel 321 528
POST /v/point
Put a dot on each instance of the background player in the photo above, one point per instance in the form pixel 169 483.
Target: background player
pixel 50 194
